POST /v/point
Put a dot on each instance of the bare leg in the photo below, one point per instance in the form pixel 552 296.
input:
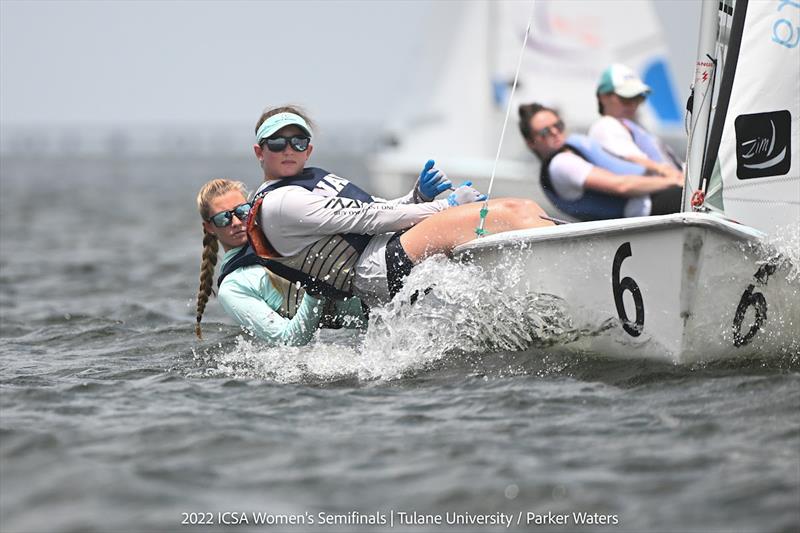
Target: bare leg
pixel 444 231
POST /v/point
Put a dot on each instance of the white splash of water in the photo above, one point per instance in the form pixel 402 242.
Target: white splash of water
pixel 466 310
pixel 783 249
pixel 778 257
pixel 457 308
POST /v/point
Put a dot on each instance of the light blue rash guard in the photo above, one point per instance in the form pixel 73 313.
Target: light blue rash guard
pixel 248 296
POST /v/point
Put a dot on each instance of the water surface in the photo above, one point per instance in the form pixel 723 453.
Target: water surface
pixel 113 417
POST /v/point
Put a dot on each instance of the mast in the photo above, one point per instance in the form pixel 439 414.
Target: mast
pixel 714 135
pixel 702 91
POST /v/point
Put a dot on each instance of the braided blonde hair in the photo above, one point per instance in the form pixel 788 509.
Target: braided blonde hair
pixel 209 191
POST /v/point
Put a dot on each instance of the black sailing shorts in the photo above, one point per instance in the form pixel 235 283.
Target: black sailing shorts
pixel 398 265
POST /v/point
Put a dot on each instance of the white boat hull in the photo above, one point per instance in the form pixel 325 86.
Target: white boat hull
pixel 684 288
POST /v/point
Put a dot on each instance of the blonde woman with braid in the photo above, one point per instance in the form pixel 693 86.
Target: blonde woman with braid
pixel 270 307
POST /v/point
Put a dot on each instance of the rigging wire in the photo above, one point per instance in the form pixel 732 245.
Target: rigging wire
pixel 480 231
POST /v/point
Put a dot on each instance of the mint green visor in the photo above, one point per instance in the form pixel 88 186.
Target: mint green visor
pixel 281 120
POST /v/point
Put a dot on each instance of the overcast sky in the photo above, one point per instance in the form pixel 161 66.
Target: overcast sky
pixel 68 61
pixel 171 61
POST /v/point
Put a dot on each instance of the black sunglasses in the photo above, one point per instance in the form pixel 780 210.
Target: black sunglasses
pixel 224 218
pixel 548 131
pixel 638 99
pixel 299 143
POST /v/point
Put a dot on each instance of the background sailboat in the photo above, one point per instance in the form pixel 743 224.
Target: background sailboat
pixel 460 120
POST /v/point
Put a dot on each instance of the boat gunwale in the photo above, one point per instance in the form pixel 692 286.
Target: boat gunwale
pixel 575 230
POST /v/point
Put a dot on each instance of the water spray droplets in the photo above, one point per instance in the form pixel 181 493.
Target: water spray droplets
pixel 446 309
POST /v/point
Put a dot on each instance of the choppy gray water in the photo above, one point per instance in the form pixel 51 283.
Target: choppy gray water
pixel 114 418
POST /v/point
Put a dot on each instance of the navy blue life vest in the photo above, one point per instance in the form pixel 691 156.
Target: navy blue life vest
pixel 243 258
pixel 592 205
pixel 326 267
pixel 291 294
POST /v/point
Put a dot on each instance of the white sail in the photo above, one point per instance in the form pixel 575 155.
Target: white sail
pixel 571 43
pixel 455 120
pixel 752 165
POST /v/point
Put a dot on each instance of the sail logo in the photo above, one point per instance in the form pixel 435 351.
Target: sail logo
pixel 763 144
pixel 784 31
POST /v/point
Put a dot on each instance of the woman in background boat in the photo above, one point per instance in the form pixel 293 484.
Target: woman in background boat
pixel 336 239
pixel 262 302
pixel 582 179
pixel 620 92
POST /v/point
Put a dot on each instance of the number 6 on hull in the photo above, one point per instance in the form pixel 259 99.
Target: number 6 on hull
pixel 618 286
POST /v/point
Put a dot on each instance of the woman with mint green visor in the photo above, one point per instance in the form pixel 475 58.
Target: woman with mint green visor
pixel 324 232
pixel 266 305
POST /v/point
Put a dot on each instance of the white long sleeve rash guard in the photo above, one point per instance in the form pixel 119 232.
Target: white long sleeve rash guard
pixel 293 217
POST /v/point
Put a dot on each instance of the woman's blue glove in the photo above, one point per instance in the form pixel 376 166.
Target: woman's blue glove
pixel 465 194
pixel 431 183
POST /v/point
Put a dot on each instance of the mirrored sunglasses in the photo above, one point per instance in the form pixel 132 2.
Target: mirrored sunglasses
pixel 548 131
pixel 224 218
pixel 299 143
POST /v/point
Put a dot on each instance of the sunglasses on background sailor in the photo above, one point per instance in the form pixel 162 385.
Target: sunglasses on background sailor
pixel 299 143
pixel 224 218
pixel 548 131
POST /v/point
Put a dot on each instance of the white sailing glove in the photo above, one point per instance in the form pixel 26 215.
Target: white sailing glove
pixel 465 194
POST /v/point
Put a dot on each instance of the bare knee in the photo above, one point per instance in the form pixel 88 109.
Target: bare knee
pixel 518 205
pixel 520 212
